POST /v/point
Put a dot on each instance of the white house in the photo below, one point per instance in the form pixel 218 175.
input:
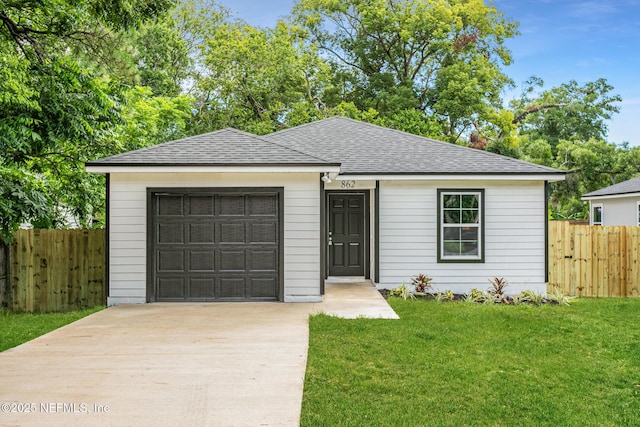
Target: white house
pixel 617 204
pixel 232 216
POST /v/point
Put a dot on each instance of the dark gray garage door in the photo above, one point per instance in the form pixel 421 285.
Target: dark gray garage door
pixel 216 244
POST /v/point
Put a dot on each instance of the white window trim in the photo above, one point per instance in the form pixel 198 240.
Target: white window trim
pixel 480 226
pixel 591 215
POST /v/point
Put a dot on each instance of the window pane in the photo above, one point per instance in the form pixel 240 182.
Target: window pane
pixel 597 214
pixel 451 233
pixel 451 200
pixel 470 216
pixel 469 201
pixel 451 248
pixel 452 217
pixel 469 248
pixel 469 233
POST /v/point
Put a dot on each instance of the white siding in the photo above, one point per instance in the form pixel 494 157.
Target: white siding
pixel 619 211
pixel 514 235
pixel 128 219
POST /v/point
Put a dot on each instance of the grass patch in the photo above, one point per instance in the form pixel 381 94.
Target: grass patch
pixel 17 328
pixel 470 364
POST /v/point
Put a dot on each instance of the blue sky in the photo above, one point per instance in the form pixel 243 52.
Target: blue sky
pixel 560 40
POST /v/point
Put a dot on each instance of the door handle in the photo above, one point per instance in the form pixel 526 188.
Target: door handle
pixel 330 241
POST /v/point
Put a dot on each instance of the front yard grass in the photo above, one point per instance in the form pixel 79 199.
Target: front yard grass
pixel 470 364
pixel 17 328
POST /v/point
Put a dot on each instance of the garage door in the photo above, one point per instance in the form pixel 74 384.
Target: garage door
pixel 216 244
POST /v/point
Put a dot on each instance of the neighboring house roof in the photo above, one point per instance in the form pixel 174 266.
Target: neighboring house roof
pixel 220 148
pixel 620 189
pixel 366 149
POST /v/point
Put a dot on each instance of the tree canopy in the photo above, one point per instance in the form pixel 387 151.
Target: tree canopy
pixel 80 80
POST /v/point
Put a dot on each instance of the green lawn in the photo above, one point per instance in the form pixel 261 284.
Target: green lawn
pixel 464 364
pixel 17 328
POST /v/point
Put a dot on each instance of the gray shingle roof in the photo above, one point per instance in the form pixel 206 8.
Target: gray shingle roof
pixel 363 148
pixel 220 148
pixel 625 187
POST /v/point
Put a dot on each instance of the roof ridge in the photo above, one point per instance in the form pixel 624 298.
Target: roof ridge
pixel 263 139
pixel 291 148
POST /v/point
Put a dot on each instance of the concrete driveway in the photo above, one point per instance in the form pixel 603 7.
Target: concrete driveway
pixel 172 364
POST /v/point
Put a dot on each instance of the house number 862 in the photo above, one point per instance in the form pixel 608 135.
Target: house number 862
pixel 348 184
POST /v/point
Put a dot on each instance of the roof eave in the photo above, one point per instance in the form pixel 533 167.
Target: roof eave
pixel 463 176
pixel 587 197
pixel 102 168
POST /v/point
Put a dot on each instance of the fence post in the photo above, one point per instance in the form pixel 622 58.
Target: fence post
pixel 4 274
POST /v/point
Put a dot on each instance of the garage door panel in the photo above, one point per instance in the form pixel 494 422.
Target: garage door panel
pixel 232 232
pixel 171 288
pixel 200 261
pixel 263 261
pixel 202 233
pixel 170 261
pixel 216 245
pixel 202 288
pixel 170 205
pixel 231 205
pixel 232 261
pixel 170 233
pixel 201 205
pixel 263 233
pixel 232 287
pixel 263 205
pixel 263 287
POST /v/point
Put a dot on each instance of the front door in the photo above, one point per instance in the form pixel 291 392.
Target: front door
pixel 346 237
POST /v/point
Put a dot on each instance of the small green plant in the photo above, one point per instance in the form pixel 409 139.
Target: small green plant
pixel 530 297
pixel 557 297
pixel 402 292
pixel 498 285
pixel 422 283
pixel 477 295
pixel 468 298
pixel 444 296
pixel 488 299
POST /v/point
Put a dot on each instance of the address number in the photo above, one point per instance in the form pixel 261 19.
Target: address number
pixel 348 184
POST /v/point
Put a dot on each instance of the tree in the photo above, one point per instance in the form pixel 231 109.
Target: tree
pixel 569 111
pixel 55 111
pixel 441 58
pixel 591 165
pixel 256 77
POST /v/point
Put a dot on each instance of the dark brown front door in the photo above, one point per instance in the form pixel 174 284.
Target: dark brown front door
pixel 216 245
pixel 346 240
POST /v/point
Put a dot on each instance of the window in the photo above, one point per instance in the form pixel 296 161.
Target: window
pixel 596 214
pixel 460 222
pixel 638 210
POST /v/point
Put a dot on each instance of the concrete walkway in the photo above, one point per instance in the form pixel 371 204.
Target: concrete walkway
pixel 237 364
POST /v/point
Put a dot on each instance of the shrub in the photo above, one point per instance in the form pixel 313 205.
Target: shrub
pixel 422 283
pixel 402 292
pixel 498 285
pixel 444 296
pixel 557 297
pixel 531 297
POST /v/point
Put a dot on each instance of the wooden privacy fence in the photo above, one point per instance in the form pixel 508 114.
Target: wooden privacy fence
pixel 594 261
pixel 57 270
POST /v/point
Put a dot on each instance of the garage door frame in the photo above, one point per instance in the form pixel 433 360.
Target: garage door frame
pixel 151 258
